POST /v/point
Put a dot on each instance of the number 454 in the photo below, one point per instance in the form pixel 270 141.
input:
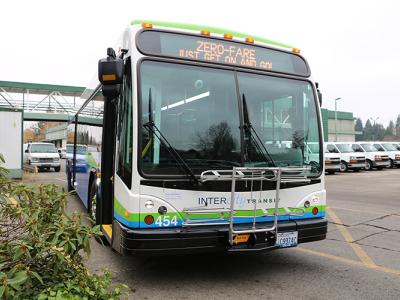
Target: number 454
pixel 165 221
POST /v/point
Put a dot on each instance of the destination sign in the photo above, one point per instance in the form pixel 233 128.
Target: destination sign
pixel 220 51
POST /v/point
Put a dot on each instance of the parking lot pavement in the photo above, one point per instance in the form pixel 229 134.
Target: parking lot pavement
pixel 360 259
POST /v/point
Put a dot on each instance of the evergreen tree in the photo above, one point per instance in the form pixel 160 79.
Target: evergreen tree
pixel 368 131
pixel 359 127
pixel 390 128
pixel 398 126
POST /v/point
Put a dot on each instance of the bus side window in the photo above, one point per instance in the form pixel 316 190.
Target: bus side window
pixel 124 128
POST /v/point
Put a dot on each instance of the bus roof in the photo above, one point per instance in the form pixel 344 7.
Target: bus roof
pixel 212 30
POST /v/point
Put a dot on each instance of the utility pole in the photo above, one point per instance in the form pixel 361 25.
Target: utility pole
pixel 336 100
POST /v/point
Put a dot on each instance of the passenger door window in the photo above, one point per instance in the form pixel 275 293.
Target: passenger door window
pixel 124 128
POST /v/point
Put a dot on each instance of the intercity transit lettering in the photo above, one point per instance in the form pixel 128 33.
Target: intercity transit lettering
pixel 223 200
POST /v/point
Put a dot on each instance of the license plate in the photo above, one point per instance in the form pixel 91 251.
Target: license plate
pixel 241 238
pixel 287 239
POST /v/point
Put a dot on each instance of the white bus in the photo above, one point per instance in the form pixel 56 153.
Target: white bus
pixel 203 143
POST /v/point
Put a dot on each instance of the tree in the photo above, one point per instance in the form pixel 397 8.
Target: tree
pixel 390 129
pixel 359 127
pixel 378 132
pixel 398 126
pixel 368 131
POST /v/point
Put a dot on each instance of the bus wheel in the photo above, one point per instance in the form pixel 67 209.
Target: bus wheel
pixel 368 165
pixel 57 169
pixel 391 164
pixel 343 167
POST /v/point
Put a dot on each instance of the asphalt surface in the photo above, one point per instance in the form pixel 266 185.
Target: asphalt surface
pixel 360 259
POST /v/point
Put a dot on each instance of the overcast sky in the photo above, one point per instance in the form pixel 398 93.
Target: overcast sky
pixel 353 47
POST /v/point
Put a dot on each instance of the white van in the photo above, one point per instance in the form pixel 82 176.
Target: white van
pixel 42 155
pixel 331 161
pixel 392 151
pixel 374 158
pixel 349 160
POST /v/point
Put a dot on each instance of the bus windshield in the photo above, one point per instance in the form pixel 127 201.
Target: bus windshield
pixel 344 148
pixel 43 148
pixel 198 111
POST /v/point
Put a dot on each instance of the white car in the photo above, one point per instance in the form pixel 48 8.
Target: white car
pixel 42 155
pixel 374 158
pixel 349 159
pixel 392 151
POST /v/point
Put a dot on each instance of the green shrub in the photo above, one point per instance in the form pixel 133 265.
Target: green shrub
pixel 41 247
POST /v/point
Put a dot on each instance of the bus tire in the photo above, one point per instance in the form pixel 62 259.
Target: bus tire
pixel 331 172
pixel 391 163
pixel 57 169
pixel 94 212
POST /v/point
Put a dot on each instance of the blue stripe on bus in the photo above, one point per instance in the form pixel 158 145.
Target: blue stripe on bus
pixel 141 224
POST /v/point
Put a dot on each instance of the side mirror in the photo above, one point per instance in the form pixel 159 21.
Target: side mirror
pixel 319 94
pixel 111 71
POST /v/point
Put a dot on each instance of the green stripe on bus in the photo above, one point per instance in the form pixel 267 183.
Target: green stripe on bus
pixel 135 217
pixel 212 30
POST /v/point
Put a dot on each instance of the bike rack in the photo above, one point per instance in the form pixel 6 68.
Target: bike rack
pixel 227 215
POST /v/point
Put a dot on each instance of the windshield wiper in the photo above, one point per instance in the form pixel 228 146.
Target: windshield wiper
pixel 254 137
pixel 154 131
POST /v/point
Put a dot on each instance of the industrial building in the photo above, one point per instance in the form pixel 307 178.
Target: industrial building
pixel 340 128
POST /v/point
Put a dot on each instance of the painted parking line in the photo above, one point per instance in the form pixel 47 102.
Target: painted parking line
pixel 362 255
pixel 349 261
pixel 59 179
pixel 362 211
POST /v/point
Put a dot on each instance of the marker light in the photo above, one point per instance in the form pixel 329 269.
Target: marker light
pixel 315 210
pixel 228 36
pixel 249 40
pixel 147 25
pixel 126 213
pixel 296 50
pixel 205 32
pixel 149 219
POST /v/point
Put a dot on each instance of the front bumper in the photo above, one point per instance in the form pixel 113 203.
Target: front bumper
pixel 384 163
pixel 46 164
pixel 212 238
pixel 356 166
pixel 335 167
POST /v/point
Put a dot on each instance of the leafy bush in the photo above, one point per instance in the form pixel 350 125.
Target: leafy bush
pixel 41 247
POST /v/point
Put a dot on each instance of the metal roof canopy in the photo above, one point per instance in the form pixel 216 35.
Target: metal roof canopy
pixel 40 88
pixel 55 105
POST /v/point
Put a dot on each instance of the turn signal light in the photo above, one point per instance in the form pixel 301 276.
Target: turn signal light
pixel 315 210
pixel 205 32
pixel 149 219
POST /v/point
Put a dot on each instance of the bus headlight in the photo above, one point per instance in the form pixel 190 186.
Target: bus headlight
pixel 377 157
pixel 149 204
